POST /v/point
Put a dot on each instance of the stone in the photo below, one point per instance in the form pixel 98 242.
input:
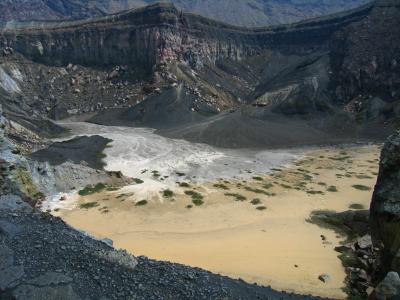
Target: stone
pixel 324 278
pixel 364 242
pixel 388 287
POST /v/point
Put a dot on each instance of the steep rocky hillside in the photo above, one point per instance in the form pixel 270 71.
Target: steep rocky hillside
pixel 385 207
pixel 238 12
pixel 334 79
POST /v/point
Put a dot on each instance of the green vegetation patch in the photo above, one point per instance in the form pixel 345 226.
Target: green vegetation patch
pixel 261 207
pixel 197 202
pixel 221 186
pixel 356 206
pixel 267 186
pixel 312 192
pixel 255 201
pixel 89 205
pixel 237 197
pixel 184 184
pixel 26 183
pixel 258 178
pixel 141 203
pixel 168 193
pixel 332 189
pixel 138 180
pixel 362 176
pixel 361 187
pixel 112 189
pixel 90 189
pixel 259 191
pixel 197 198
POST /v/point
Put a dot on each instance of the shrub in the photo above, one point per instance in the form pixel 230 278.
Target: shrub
pixel 138 180
pixel 89 190
pixel 168 193
pixel 361 187
pixel 221 186
pixel 195 196
pixel 356 206
pixel 332 189
pixel 267 186
pixel 88 205
pixel 238 197
pixel 141 203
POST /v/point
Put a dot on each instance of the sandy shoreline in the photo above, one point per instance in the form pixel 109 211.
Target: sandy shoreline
pixel 228 234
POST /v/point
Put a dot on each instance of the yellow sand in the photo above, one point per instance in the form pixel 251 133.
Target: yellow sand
pixel 274 247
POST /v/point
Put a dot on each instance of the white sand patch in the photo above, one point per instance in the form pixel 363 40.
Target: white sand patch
pixel 136 152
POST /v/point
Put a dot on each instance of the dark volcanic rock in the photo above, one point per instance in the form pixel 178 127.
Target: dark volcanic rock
pixel 81 149
pixel 385 206
pixel 49 260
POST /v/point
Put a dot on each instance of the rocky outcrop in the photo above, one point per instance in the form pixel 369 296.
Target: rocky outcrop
pixel 160 33
pixel 365 57
pixel 385 206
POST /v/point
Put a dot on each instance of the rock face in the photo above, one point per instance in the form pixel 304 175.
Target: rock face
pixel 244 13
pixel 385 206
pixel 160 33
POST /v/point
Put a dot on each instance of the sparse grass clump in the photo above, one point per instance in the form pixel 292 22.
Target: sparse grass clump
pixel 356 206
pixel 237 197
pixel 124 195
pixel 88 205
pixel 137 180
pixel 89 189
pixel 197 202
pixel 267 186
pixel 258 178
pixel 312 192
pixel 362 176
pixel 332 189
pixel 255 201
pixel 361 187
pixel 184 184
pixel 221 186
pixel 258 191
pixel 286 186
pixel 261 208
pixel 141 203
pixel 156 174
pixel 168 194
pixel 197 198
pixel 112 189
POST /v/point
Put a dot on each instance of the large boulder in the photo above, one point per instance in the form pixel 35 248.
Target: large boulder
pixel 385 206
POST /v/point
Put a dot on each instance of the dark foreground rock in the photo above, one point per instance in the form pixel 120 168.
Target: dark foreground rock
pixel 385 206
pixel 42 258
